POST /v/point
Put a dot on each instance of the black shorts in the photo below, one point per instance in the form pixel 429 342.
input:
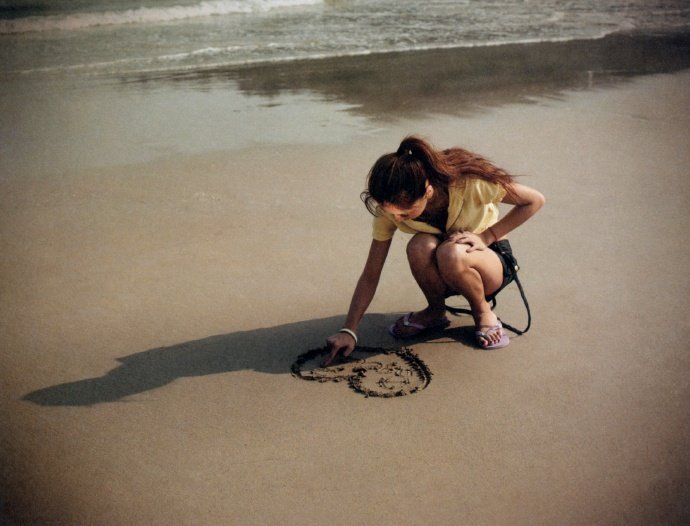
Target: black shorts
pixel 508 262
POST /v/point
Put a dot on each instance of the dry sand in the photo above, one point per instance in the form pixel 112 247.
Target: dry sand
pixel 151 313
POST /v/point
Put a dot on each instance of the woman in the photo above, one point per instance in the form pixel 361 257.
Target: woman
pixel 449 201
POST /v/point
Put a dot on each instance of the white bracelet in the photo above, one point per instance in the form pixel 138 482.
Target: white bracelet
pixel 351 333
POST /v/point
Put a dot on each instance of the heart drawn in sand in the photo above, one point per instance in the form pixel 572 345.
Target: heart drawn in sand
pixel 368 370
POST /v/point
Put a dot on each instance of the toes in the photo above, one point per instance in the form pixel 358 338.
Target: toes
pixel 491 336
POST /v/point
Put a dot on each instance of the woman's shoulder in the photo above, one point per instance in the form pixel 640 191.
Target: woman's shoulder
pixel 474 189
pixel 468 182
pixel 458 183
pixel 483 191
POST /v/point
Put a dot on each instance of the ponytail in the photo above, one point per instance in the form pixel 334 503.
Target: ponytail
pixel 400 178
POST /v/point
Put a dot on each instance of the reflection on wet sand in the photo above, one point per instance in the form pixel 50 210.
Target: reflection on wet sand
pixel 457 81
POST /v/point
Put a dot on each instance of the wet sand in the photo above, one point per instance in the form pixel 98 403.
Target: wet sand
pixel 152 310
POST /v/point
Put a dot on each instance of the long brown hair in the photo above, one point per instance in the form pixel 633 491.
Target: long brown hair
pixel 400 177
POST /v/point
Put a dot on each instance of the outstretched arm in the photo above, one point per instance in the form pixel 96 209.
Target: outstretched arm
pixel 361 298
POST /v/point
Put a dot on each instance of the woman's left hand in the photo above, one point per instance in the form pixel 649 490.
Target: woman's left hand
pixel 474 241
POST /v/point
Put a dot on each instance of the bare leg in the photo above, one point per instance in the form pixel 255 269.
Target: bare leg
pixel 421 254
pixel 474 275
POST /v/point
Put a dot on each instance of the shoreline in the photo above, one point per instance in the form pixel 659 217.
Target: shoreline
pixel 453 80
pixel 334 100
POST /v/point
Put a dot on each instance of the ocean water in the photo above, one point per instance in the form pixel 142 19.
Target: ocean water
pixel 90 83
pixel 120 37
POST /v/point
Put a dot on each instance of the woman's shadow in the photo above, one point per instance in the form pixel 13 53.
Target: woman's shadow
pixel 270 350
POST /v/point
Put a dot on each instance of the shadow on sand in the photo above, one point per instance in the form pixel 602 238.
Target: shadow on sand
pixel 270 350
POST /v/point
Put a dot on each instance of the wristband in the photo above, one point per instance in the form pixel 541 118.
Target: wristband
pixel 351 333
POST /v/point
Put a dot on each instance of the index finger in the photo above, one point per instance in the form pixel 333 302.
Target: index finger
pixel 332 356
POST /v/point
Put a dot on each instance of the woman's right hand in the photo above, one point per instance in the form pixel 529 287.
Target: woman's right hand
pixel 337 343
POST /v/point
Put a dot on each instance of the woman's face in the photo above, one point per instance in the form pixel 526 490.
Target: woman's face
pixel 402 213
pixel 405 212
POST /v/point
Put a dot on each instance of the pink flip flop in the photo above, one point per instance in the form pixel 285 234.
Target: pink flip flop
pixel 483 336
pixel 441 323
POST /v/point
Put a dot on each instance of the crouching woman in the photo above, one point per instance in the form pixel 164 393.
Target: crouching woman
pixel 448 200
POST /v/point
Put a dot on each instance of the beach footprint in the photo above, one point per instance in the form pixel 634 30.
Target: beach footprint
pixel 369 371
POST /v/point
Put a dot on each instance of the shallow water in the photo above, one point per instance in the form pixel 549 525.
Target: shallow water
pixel 98 37
pixel 90 83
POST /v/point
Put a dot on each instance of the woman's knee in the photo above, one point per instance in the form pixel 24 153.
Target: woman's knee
pixel 452 257
pixel 454 261
pixel 421 248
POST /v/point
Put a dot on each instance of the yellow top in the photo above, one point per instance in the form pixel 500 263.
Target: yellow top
pixel 472 206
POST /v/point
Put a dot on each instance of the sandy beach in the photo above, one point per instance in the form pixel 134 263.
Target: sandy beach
pixel 163 270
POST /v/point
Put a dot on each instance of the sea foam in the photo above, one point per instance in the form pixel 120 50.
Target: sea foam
pixel 143 15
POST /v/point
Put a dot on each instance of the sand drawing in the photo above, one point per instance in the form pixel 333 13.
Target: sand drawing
pixel 371 371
